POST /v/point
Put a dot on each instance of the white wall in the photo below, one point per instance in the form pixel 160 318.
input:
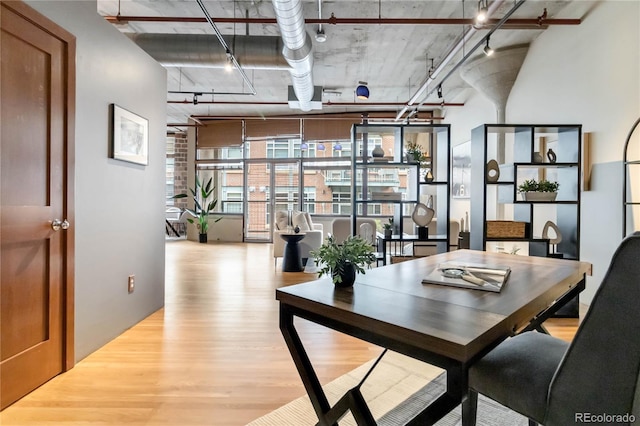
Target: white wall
pixel 590 75
pixel 119 206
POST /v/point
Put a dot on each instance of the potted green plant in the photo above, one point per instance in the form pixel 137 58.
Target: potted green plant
pixel 543 190
pixel 415 154
pixel 388 228
pixel 204 203
pixel 343 261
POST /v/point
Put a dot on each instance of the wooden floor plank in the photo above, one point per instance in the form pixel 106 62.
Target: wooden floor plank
pixel 212 356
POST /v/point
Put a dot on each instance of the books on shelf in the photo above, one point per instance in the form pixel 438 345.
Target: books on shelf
pixel 475 276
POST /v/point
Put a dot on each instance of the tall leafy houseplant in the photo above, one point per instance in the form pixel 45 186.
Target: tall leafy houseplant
pixel 204 203
pixel 342 261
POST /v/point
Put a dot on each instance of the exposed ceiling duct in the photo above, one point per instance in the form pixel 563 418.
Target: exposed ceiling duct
pixel 297 49
pixel 203 50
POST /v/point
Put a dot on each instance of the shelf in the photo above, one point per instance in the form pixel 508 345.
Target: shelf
pixel 387 201
pixel 385 163
pixel 530 240
pixel 543 202
pixel 433 183
pixel 558 164
pixel 501 183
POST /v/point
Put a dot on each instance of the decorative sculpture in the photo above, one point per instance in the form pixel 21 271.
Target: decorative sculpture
pixel 422 216
pixel 558 235
pixel 493 171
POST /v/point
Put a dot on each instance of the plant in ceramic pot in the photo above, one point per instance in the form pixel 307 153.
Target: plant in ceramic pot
pixel 543 190
pixel 204 203
pixel 343 261
pixel 388 228
pixel 416 155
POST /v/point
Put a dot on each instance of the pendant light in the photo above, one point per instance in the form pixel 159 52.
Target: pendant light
pixel 362 91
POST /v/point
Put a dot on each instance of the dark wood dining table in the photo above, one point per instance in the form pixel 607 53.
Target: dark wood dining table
pixel 445 326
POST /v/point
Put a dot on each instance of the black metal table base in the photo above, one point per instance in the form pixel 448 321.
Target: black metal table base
pixel 353 400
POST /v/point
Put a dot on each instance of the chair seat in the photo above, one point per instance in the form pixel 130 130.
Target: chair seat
pixel 518 372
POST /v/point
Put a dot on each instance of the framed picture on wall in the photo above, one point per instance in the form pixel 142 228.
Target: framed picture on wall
pixel 461 170
pixel 129 136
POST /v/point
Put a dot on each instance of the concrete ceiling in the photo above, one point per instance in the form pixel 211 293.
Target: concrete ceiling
pixel 393 59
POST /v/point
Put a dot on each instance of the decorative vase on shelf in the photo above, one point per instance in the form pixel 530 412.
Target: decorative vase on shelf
pixel 551 156
pixel 387 233
pixel 428 177
pixel 537 157
pixel 202 238
pixel 377 152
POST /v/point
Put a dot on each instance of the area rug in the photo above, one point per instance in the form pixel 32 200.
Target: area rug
pixel 396 391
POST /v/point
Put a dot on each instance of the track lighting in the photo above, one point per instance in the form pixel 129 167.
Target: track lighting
pixel 440 91
pixel 228 66
pixel 487 49
pixel 321 37
pixel 195 99
pixel 481 16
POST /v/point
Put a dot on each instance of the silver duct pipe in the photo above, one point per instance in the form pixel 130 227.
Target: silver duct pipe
pixel 203 50
pixel 297 48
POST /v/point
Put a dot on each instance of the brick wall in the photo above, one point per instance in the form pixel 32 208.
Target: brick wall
pixel 181 186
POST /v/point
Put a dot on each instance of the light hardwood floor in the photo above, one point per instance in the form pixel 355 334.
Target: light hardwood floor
pixel 212 356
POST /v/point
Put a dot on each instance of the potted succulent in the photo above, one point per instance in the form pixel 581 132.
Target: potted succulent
pixel 388 228
pixel 203 206
pixel 343 261
pixel 543 190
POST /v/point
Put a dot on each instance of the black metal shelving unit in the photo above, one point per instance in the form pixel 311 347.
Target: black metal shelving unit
pixel 514 147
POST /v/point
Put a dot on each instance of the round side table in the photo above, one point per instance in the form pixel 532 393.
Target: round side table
pixel 291 260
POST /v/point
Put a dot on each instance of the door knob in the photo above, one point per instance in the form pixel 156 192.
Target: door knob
pixel 56 225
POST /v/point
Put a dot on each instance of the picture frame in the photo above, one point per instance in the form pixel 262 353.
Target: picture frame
pixel 461 170
pixel 129 136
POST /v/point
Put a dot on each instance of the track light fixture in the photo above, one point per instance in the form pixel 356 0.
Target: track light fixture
pixel 321 37
pixel 228 66
pixel 440 91
pixel 482 15
pixel 487 49
pixel 195 98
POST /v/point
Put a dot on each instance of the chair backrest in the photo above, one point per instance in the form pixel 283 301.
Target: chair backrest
pixel 367 232
pixel 172 213
pixel 341 227
pixel 599 372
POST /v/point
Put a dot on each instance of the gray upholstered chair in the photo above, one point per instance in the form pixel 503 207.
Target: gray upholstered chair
pixel 553 382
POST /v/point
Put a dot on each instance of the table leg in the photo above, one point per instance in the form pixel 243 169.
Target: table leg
pixel 303 364
pixel 457 386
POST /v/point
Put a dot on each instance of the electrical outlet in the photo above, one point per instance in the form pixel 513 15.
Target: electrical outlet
pixel 132 283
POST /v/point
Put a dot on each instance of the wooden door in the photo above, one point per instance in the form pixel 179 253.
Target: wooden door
pixel 36 267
